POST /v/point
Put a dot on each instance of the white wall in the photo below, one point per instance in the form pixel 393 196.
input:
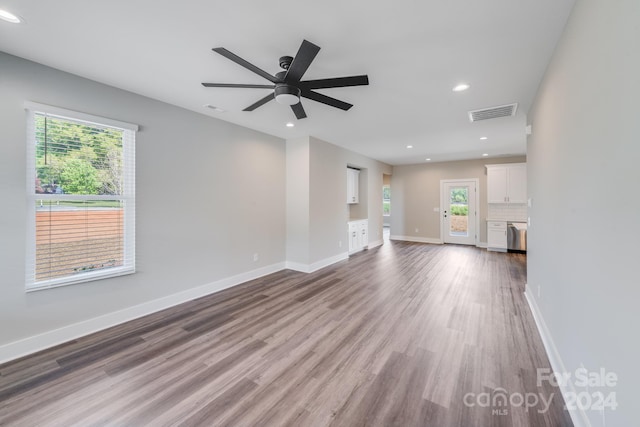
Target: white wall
pixel 209 195
pixel 583 176
pixel 415 191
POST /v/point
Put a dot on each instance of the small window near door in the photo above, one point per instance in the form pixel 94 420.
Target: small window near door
pixel 386 200
pixel 459 205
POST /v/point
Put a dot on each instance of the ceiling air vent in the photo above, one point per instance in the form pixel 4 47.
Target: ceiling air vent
pixel 493 112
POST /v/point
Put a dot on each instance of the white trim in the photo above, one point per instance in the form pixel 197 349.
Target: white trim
pixel 375 244
pixel 578 416
pixel 310 268
pixel 55 337
pixel 297 266
pixel 328 261
pixel 75 116
pixel 127 196
pixel 81 278
pixel 477 207
pixel 482 245
pixel 417 239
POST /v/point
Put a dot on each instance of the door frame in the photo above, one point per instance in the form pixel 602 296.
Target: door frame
pixel 477 205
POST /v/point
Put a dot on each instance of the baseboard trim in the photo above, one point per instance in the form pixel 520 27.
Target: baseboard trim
pixel 482 245
pixel 578 416
pixel 24 347
pixel 375 244
pixel 417 239
pixel 310 268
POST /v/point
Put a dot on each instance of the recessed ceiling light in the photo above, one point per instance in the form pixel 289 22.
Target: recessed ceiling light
pixel 485 155
pixel 483 138
pixel 461 87
pixel 9 17
pixel 428 160
pixel 409 146
pixel 290 125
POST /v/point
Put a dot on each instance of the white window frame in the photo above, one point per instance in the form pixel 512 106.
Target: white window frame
pixel 386 200
pixel 128 196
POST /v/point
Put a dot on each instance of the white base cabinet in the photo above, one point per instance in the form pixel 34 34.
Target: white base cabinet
pixel 497 236
pixel 358 235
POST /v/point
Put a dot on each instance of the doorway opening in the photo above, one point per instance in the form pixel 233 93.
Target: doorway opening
pixel 459 211
pixel 386 207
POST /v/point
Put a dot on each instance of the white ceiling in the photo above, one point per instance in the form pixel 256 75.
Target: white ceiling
pixel 414 52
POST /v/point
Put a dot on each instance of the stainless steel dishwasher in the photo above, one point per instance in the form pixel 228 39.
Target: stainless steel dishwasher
pixel 517 236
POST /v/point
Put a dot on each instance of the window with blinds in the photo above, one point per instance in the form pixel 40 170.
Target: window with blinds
pixel 81 192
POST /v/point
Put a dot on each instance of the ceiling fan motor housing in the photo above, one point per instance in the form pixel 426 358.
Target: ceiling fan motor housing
pixel 285 62
pixel 287 94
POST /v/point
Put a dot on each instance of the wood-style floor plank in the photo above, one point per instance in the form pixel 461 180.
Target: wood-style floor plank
pixel 394 336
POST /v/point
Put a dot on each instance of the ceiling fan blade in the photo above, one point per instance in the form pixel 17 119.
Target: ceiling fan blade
pixel 238 85
pixel 336 82
pixel 249 66
pixel 298 110
pixel 315 96
pixel 260 102
pixel 301 62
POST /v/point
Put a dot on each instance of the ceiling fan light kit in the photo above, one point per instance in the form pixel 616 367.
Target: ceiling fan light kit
pixel 287 85
pixel 286 94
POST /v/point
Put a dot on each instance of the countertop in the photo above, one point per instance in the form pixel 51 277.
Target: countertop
pixel 507 220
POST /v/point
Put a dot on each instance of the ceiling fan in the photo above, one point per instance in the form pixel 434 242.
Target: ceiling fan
pixel 287 85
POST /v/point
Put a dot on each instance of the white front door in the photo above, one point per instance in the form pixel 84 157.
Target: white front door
pixel 458 211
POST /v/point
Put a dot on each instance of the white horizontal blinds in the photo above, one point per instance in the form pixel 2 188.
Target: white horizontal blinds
pixel 82 199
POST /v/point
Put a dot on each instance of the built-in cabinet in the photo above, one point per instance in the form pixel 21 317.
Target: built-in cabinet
pixel 353 177
pixel 358 235
pixel 497 236
pixel 507 183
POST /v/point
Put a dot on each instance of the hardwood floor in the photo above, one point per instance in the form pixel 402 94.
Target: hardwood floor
pixel 402 335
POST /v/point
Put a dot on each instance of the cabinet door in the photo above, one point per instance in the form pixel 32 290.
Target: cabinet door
pixel 356 186
pixel 352 185
pixel 497 184
pixel 364 234
pixel 353 236
pixel 517 184
pixel 496 238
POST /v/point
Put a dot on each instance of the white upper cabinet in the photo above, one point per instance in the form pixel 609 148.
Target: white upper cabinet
pixel 507 183
pixel 517 183
pixel 353 176
pixel 496 184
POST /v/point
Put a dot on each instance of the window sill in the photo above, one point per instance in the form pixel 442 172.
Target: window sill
pixel 80 278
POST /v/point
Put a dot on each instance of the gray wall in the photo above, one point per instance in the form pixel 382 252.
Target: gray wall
pixel 583 177
pixel 317 212
pixel 209 195
pixel 328 189
pixel 415 191
pixel 298 200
